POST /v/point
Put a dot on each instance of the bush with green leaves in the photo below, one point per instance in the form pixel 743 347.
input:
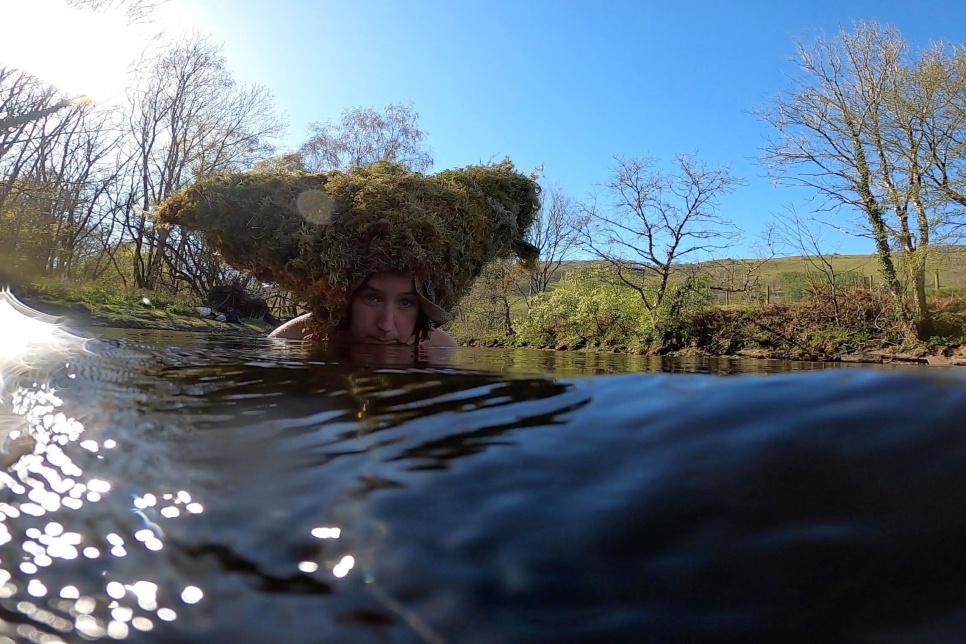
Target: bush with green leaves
pixel 675 323
pixel 588 308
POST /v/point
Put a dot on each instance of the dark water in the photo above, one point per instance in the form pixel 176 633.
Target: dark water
pixel 188 488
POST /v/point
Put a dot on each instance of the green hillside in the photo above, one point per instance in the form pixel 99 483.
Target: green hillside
pixel 950 263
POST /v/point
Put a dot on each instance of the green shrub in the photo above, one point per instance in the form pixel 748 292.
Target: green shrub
pixel 948 327
pixel 676 324
pixel 587 309
pixel 792 285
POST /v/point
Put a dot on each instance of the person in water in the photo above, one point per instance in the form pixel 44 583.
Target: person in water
pixel 378 254
pixel 387 308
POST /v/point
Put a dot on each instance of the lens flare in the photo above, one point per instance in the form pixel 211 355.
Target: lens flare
pixel 316 206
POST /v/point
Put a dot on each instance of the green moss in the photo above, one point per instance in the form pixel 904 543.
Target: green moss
pixel 442 228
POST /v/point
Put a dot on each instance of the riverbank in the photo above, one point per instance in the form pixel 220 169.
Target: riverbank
pixel 957 359
pixel 133 312
pixel 772 332
pixel 853 324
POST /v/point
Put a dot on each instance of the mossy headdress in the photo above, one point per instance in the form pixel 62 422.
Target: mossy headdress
pixel 321 235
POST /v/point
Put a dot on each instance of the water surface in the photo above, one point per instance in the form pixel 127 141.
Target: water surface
pixel 183 487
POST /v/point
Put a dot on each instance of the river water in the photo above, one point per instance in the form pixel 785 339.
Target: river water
pixel 197 488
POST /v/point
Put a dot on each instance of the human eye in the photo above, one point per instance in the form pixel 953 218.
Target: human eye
pixel 407 302
pixel 370 298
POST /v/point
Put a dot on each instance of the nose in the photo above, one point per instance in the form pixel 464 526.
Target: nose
pixel 385 320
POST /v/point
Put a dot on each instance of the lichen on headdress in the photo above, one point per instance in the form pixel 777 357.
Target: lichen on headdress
pixel 320 235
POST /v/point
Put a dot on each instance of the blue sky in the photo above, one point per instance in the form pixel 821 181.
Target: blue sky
pixel 564 84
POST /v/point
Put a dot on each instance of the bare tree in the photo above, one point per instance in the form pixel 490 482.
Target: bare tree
pixel 52 163
pixel 741 278
pixel 876 129
pixel 29 124
pixel 76 173
pixel 554 233
pixel 188 119
pixel 657 220
pixel 364 136
pixel 136 10
pixel 941 86
pixel 197 266
pixel 805 237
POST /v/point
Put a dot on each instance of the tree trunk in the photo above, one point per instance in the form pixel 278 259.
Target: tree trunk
pixel 507 322
pixel 921 318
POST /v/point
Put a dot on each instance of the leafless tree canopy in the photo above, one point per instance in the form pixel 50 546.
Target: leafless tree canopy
pixel 554 233
pixel 78 181
pixel 364 136
pixel 654 219
pixel 55 167
pixel 805 238
pixel 188 120
pixel 136 10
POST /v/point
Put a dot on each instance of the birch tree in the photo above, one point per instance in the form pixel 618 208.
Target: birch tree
pixel 554 233
pixel 365 136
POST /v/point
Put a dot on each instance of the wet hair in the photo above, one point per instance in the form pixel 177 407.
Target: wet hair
pixel 423 327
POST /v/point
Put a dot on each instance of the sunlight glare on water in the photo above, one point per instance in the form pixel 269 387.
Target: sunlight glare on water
pixel 29 338
pixel 47 486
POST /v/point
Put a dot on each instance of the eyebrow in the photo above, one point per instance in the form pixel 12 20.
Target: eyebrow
pixel 379 291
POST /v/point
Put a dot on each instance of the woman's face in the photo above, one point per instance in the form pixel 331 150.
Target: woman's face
pixel 384 310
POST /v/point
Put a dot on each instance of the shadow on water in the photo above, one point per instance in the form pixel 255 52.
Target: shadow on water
pixel 178 487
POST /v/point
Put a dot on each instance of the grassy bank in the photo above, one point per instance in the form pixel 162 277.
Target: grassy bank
pixel 84 305
pixel 589 311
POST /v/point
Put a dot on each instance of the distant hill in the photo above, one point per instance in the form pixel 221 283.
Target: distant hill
pixel 950 262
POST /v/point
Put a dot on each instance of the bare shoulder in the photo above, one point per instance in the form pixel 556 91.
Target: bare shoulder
pixel 439 338
pixel 294 329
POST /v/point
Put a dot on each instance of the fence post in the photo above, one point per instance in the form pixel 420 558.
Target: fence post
pixel 936 276
pixel 768 294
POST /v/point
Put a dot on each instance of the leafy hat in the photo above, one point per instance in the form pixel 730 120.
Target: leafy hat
pixel 321 235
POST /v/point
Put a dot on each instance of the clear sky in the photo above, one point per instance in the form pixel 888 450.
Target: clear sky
pixel 564 84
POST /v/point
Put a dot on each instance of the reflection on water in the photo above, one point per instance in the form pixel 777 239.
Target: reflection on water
pixel 54 576
pixel 178 487
pixel 519 361
pixel 572 363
